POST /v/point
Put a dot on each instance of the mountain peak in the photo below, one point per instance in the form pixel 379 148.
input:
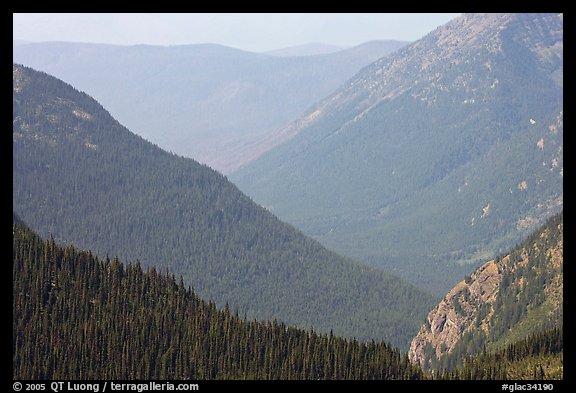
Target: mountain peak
pixel 67 115
pixel 442 131
pixel 456 44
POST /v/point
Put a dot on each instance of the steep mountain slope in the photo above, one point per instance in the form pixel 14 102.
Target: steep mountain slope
pixel 207 102
pixel 442 154
pixel 77 317
pixel 503 301
pixel 82 177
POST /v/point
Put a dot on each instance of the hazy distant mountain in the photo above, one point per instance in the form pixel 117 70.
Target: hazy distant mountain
pixel 306 50
pixel 442 154
pixel 208 102
pixel 85 179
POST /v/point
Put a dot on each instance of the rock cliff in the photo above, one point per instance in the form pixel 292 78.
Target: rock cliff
pixel 503 298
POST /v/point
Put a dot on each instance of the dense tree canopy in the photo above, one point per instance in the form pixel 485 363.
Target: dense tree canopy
pixel 79 317
pixel 538 356
pixel 83 178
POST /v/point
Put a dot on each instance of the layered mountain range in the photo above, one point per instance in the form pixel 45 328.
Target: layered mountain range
pixel 83 178
pixel 216 104
pixel 441 162
pixel 433 159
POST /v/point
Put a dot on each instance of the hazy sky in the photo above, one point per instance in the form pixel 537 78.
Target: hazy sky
pixel 252 32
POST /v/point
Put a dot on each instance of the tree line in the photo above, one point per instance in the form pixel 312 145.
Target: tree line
pixel 539 356
pixel 79 317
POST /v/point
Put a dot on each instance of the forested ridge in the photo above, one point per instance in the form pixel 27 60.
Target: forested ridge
pixel 538 356
pixel 76 316
pixel 85 179
pixel 131 262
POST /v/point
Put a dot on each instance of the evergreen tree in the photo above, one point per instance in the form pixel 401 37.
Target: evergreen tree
pixel 78 317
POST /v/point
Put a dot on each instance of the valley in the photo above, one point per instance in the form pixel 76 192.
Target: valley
pixel 81 177
pixel 385 211
pixel 146 325
pixel 433 159
pixel 219 105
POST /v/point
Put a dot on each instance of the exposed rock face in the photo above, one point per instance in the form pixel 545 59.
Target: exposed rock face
pixel 472 303
pixel 456 313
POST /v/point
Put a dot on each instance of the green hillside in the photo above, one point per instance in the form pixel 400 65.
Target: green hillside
pixel 81 177
pixel 537 357
pixel 78 317
pixel 433 159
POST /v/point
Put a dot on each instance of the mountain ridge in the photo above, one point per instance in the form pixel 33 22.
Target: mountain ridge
pixel 310 49
pixel 78 317
pixel 204 101
pixel 83 178
pixel 434 158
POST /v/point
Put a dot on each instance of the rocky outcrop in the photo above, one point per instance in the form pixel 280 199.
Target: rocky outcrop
pixel 456 313
pixel 472 303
